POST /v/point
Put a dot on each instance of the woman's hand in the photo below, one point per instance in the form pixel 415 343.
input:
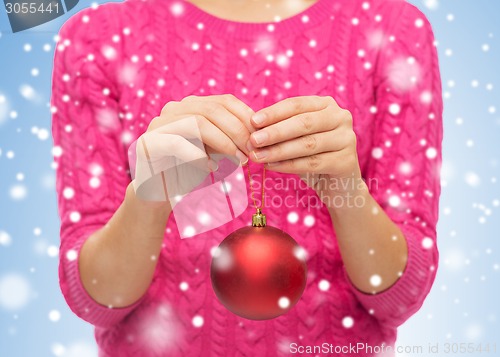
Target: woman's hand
pixel 310 136
pixel 223 122
pixel 313 135
pixel 117 262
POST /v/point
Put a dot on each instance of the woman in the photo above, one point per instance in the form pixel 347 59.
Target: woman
pixel 349 91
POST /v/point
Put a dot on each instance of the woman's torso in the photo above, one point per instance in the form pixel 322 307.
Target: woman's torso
pixel 162 57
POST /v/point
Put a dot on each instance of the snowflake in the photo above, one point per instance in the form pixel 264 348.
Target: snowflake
pixel 426 97
pixel 52 251
pixel 4 108
pixel 473 332
pixel 427 243
pixel 204 218
pixel 377 153
pixel 71 255
pixel 94 182
pixel 177 9
pixel 68 193
pixel 431 4
pixel 454 259
pixel 109 52
pixel 300 253
pixel 394 109
pixel 18 192
pixel 198 321
pixel 28 92
pixel 293 217
pixel 5 239
pixel 54 315
pixel 309 221
pixel 403 73
pixel 405 168
pixel 394 201
pixel 376 39
pixel 431 153
pixel 324 285
pixel 282 61
pixel 375 280
pixel 222 258
pixel 472 179
pixel 284 302
pixel 348 322
pixel 183 286
pixel 15 291
pixel 75 216
pixel 127 74
pixel 265 44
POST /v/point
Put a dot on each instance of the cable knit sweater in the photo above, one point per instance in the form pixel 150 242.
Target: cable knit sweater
pixel 118 64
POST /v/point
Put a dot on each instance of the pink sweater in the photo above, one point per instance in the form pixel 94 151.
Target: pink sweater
pixel 117 65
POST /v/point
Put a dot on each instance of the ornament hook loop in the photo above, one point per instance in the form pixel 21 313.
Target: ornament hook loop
pixel 259 219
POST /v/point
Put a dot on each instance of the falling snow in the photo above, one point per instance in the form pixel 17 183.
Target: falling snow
pixel 293 217
pixel 348 322
pixel 15 291
pixel 198 321
pixel 375 280
pixel 324 285
pixel 54 315
pixel 284 302
pixel 5 239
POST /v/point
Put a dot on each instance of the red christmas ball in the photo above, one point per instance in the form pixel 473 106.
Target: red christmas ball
pixel 258 273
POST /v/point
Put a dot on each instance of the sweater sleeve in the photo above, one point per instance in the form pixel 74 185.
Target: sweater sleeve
pixel 91 177
pixel 403 170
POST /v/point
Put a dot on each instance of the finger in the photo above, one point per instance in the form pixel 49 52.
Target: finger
pixel 223 119
pixel 294 127
pixel 159 150
pixel 311 179
pixel 217 141
pixel 288 108
pixel 197 127
pixel 215 156
pixel 300 147
pixel 316 163
pixel 233 104
pixel 240 109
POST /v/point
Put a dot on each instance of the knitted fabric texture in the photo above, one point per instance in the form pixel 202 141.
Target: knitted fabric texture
pixel 116 65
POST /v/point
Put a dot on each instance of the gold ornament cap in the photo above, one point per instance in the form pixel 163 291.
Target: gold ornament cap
pixel 258 219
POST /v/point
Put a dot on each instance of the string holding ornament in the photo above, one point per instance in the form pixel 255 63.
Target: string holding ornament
pixel 258 272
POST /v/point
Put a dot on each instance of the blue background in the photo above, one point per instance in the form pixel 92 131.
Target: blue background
pixel 463 304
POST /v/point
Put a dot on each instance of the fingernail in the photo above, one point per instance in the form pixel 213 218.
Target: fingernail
pixel 260 154
pixel 260 136
pixel 250 146
pixel 212 165
pixel 258 118
pixel 242 157
pixel 273 163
